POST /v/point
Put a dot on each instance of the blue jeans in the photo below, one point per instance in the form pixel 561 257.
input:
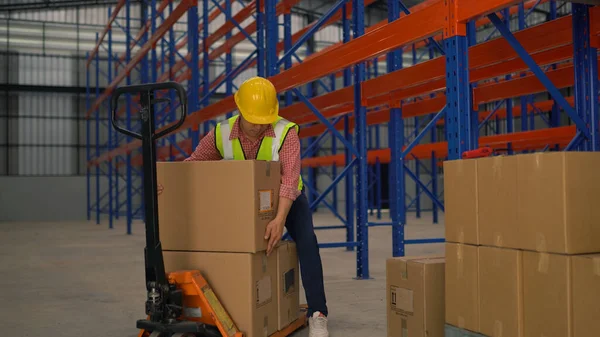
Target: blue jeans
pixel 299 225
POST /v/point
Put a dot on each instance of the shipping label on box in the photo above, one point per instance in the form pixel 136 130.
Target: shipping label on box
pixel 401 300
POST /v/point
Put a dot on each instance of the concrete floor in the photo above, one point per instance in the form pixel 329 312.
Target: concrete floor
pixel 81 279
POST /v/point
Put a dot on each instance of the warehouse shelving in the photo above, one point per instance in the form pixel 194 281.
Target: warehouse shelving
pixel 447 96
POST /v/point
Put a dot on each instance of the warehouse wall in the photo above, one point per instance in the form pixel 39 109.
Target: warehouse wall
pixel 42 198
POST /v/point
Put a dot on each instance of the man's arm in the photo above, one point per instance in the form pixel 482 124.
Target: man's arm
pixel 206 149
pixel 289 158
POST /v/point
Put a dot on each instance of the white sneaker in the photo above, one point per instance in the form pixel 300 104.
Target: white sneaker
pixel 317 325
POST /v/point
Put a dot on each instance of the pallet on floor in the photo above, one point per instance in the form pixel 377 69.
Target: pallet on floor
pixel 452 331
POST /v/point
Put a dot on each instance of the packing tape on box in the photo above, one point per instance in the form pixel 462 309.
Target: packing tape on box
pixel 404 327
pixel 461 235
pixel 540 242
pixel 266 326
pixel 460 265
pixel 498 239
pixel 461 322
pixel 497 329
pixel 543 263
pixel 268 169
pixel 404 270
pixel 264 262
pixel 596 263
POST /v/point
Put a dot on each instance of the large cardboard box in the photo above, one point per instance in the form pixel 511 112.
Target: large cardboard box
pixel 288 283
pixel 498 201
pixel 500 292
pixel 415 296
pixel 460 196
pixel 586 295
pixel 217 206
pixel 245 283
pixel 558 201
pixel 462 286
pixel 547 299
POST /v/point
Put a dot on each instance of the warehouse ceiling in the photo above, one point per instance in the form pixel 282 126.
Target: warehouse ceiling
pixel 23 5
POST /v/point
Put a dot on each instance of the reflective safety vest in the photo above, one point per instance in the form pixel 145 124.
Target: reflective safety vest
pixel 269 146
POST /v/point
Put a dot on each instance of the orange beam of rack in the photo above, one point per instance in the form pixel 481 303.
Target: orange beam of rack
pixel 420 25
pixel 211 17
pixel 483 21
pixel 537 38
pixel 529 140
pixel 112 18
pixel 419 109
pixel 473 9
pixel 410 81
pixel 160 32
pixel 224 29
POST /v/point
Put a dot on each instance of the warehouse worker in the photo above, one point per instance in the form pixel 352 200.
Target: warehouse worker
pixel 259 133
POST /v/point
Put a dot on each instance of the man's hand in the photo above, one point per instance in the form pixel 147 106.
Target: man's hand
pixel 273 233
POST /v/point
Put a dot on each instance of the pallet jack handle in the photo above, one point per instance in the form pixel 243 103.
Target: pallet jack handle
pixel 157 284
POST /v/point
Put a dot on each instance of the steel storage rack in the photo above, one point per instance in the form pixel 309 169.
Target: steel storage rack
pixel 465 90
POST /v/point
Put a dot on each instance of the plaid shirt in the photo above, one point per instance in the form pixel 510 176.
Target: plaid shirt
pixel 289 155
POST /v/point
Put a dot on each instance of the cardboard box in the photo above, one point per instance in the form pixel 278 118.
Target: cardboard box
pixel 498 202
pixel 288 284
pixel 558 202
pixel 500 292
pixel 462 286
pixel 246 285
pixel 415 296
pixel 586 295
pixel 547 299
pixel 460 196
pixel 217 206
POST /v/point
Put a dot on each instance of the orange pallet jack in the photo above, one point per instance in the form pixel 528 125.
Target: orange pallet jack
pixel 168 294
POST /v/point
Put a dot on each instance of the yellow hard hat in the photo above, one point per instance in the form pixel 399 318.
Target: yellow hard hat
pixel 257 101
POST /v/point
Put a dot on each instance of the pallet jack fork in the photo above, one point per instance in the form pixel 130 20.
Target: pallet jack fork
pixel 168 294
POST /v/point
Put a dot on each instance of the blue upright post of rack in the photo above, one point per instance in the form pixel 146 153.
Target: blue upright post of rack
pixel 360 130
pixel 458 94
pixel 87 138
pixel 287 45
pixel 143 79
pixel 586 75
pixel 153 58
pixel 194 83
pixel 397 187
pixel 228 57
pixel 349 179
pixel 272 37
pixel 334 193
pixel 434 168
pixel 555 118
pixel 172 106
pixel 417 166
pixel 97 112
pixel 205 62
pixel 260 38
pixel 109 162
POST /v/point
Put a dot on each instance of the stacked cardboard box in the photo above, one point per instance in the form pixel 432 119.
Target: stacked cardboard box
pixel 415 293
pixel 522 231
pixel 213 217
